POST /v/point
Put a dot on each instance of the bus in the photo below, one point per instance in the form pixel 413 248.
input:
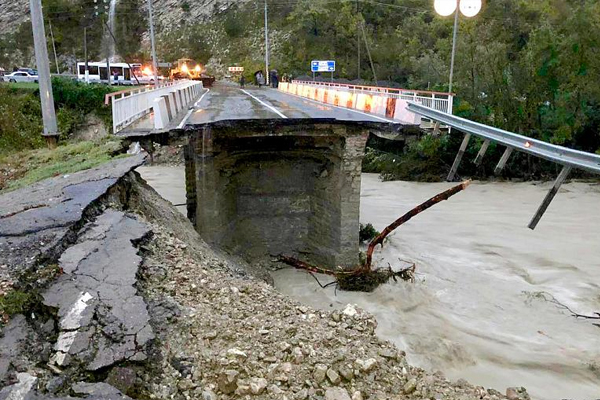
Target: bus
pixel 120 73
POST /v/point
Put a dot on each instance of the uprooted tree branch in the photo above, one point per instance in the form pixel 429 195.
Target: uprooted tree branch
pixel 551 299
pixel 365 277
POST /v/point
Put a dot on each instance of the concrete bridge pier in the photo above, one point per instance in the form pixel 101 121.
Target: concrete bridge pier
pixel 278 186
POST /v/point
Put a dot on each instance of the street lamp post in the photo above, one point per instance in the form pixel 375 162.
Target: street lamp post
pixel 445 8
pixel 469 8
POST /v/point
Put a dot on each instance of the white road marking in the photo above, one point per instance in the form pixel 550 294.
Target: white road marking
pixel 276 111
pixel 189 113
pixel 73 318
pixel 345 108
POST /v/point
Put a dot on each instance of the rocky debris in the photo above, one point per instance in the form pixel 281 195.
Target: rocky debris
pixel 410 386
pixel 36 221
pixel 336 394
pixel 102 320
pixel 517 393
pixel 25 389
pixel 242 338
pixel 98 391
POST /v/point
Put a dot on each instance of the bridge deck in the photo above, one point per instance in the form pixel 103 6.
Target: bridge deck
pixel 228 101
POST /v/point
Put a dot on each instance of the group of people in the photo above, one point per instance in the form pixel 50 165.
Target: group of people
pixel 260 79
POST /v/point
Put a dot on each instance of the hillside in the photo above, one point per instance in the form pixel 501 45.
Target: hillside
pixel 528 67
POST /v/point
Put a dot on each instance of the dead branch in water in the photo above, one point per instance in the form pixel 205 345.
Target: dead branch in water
pixel 551 299
pixel 364 277
pixel 406 217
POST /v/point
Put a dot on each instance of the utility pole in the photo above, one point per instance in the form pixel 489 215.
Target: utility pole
pixel 43 66
pixel 369 54
pixel 54 47
pixel 107 44
pixel 357 43
pixel 267 75
pixel 154 61
pixel 85 55
pixel 453 46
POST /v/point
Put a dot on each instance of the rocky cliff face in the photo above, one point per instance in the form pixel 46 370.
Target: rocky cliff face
pixel 12 14
pixel 169 14
pixel 172 14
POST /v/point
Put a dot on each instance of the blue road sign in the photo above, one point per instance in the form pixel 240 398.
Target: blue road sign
pixel 322 66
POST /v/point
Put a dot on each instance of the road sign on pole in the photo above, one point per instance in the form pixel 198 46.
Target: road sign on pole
pixel 322 66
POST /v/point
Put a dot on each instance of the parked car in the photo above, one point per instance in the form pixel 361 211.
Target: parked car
pixel 30 71
pixel 21 76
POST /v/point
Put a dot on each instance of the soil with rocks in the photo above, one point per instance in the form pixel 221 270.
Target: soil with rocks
pixel 216 329
pixel 224 334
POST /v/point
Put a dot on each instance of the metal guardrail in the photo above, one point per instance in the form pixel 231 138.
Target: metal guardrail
pixel 568 158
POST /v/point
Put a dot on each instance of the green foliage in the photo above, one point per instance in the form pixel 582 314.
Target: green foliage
pixel 234 24
pixel 367 233
pixel 74 100
pixel 185 6
pixel 20 120
pixel 530 67
pixel 421 161
pixel 21 116
pixel 130 26
pixel 16 302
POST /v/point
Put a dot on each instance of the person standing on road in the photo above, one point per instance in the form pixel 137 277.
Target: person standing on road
pixel 261 79
pixel 242 81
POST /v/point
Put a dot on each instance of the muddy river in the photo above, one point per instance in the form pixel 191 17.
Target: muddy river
pixel 476 310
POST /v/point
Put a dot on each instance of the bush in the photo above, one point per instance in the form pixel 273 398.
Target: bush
pixel 20 121
pixel 422 161
pixel 74 100
pixel 367 233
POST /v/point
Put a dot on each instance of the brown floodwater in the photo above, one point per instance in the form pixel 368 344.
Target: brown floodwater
pixel 476 311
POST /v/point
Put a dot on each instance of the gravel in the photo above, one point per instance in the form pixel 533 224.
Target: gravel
pixel 232 337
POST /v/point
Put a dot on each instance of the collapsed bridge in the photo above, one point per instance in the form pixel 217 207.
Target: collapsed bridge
pixel 291 186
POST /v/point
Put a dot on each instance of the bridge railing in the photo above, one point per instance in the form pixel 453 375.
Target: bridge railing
pixel 128 106
pixel 440 101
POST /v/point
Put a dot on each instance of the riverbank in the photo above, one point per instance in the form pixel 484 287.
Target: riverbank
pixel 133 304
pixel 475 311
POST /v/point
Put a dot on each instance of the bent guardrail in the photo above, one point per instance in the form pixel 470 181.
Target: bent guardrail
pixel 568 158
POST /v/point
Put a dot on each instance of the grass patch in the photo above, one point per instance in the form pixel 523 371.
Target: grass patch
pixel 15 302
pixel 22 85
pixel 27 167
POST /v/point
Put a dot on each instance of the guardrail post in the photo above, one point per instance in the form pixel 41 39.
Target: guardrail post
pixel 161 117
pixel 114 113
pixel 503 160
pixel 461 151
pixel 169 106
pixel 175 102
pixel 482 150
pixel 550 196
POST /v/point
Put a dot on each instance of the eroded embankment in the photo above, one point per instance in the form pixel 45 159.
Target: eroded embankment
pixel 142 306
